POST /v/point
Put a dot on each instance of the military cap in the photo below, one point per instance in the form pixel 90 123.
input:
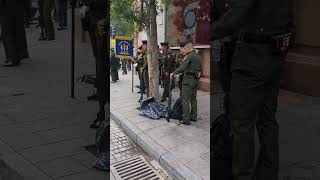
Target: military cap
pixel 189 41
pixel 182 44
pixel 164 44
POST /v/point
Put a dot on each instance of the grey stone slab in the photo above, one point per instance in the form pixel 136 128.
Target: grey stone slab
pixel 5 148
pixel 169 142
pixel 176 168
pixel 90 175
pixel 161 131
pixel 54 151
pixel 23 168
pixel 62 167
pixel 189 151
pixel 150 146
pixel 206 156
pixel 131 130
pixel 200 167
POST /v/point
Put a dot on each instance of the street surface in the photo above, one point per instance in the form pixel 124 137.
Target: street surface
pixel 43 133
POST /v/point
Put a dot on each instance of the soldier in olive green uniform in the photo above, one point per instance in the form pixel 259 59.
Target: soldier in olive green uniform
pixel 145 72
pixel 13 34
pixel 47 19
pixel 191 69
pixel 179 61
pixel 256 72
pixel 167 59
pixel 140 64
pixel 97 11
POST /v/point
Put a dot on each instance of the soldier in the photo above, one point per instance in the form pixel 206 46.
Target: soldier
pixel 227 50
pixel 167 59
pixel 260 51
pixel 191 69
pixel 179 60
pixel 144 69
pixel 140 63
pixel 47 19
pixel 97 11
pixel 41 20
pixel 13 33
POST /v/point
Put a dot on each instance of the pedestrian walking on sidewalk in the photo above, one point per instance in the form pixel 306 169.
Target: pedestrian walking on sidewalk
pixel 13 33
pixel 264 37
pixel 191 69
pixel 124 66
pixel 113 67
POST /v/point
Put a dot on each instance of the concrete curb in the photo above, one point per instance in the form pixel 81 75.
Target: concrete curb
pixel 175 168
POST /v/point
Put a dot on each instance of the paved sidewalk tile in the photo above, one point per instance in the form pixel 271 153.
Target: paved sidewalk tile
pixel 186 144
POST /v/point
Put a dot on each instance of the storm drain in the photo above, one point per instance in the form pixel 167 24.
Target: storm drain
pixel 136 168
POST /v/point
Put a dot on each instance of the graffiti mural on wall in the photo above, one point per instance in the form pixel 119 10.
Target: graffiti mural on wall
pixel 190 18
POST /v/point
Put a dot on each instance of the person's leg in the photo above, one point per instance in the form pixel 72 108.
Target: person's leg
pixel 166 89
pixel 8 39
pixel 48 24
pixel 20 37
pixel 185 97
pixel 58 5
pixel 193 102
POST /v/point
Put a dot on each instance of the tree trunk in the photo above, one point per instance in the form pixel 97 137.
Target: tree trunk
pixel 153 63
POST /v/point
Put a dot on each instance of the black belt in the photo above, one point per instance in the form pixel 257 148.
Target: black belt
pixel 190 73
pixel 255 38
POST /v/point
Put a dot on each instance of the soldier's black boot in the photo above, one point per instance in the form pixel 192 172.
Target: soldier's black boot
pixel 100 116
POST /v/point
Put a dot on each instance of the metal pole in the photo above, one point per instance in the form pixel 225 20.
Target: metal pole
pixel 132 75
pixel 72 47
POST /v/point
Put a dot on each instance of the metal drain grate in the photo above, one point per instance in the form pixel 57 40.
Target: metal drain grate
pixel 136 168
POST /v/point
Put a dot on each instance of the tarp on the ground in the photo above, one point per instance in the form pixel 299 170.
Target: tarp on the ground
pixel 152 109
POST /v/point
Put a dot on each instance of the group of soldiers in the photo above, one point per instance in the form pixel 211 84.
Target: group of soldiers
pixel 187 64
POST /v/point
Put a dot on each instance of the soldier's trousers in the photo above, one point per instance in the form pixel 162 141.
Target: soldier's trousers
pixel 167 88
pixel 189 98
pixel 14 35
pixel 253 104
pixel 47 18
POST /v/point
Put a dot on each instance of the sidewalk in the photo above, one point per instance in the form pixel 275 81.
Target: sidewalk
pixel 182 150
pixel 43 133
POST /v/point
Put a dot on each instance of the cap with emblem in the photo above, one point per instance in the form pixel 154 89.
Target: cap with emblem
pixel 164 44
pixel 189 41
pixel 182 44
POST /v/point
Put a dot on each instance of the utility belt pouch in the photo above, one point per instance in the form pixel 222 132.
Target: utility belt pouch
pixel 281 43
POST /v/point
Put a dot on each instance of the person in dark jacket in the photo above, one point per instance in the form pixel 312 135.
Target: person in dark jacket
pixel 13 33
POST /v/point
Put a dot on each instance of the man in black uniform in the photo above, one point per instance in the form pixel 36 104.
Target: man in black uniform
pixel 13 34
pixel 256 68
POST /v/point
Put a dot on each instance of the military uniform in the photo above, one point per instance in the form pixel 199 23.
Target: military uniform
pixel 167 60
pixel 219 7
pixel 191 68
pixel 256 71
pixel 179 61
pixel 145 73
pixel 97 11
pixel 13 33
pixel 47 19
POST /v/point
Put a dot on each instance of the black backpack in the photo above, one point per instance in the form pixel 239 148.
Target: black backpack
pixel 176 112
pixel 221 148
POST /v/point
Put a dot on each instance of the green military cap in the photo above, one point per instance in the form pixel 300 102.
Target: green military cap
pixel 164 44
pixel 182 44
